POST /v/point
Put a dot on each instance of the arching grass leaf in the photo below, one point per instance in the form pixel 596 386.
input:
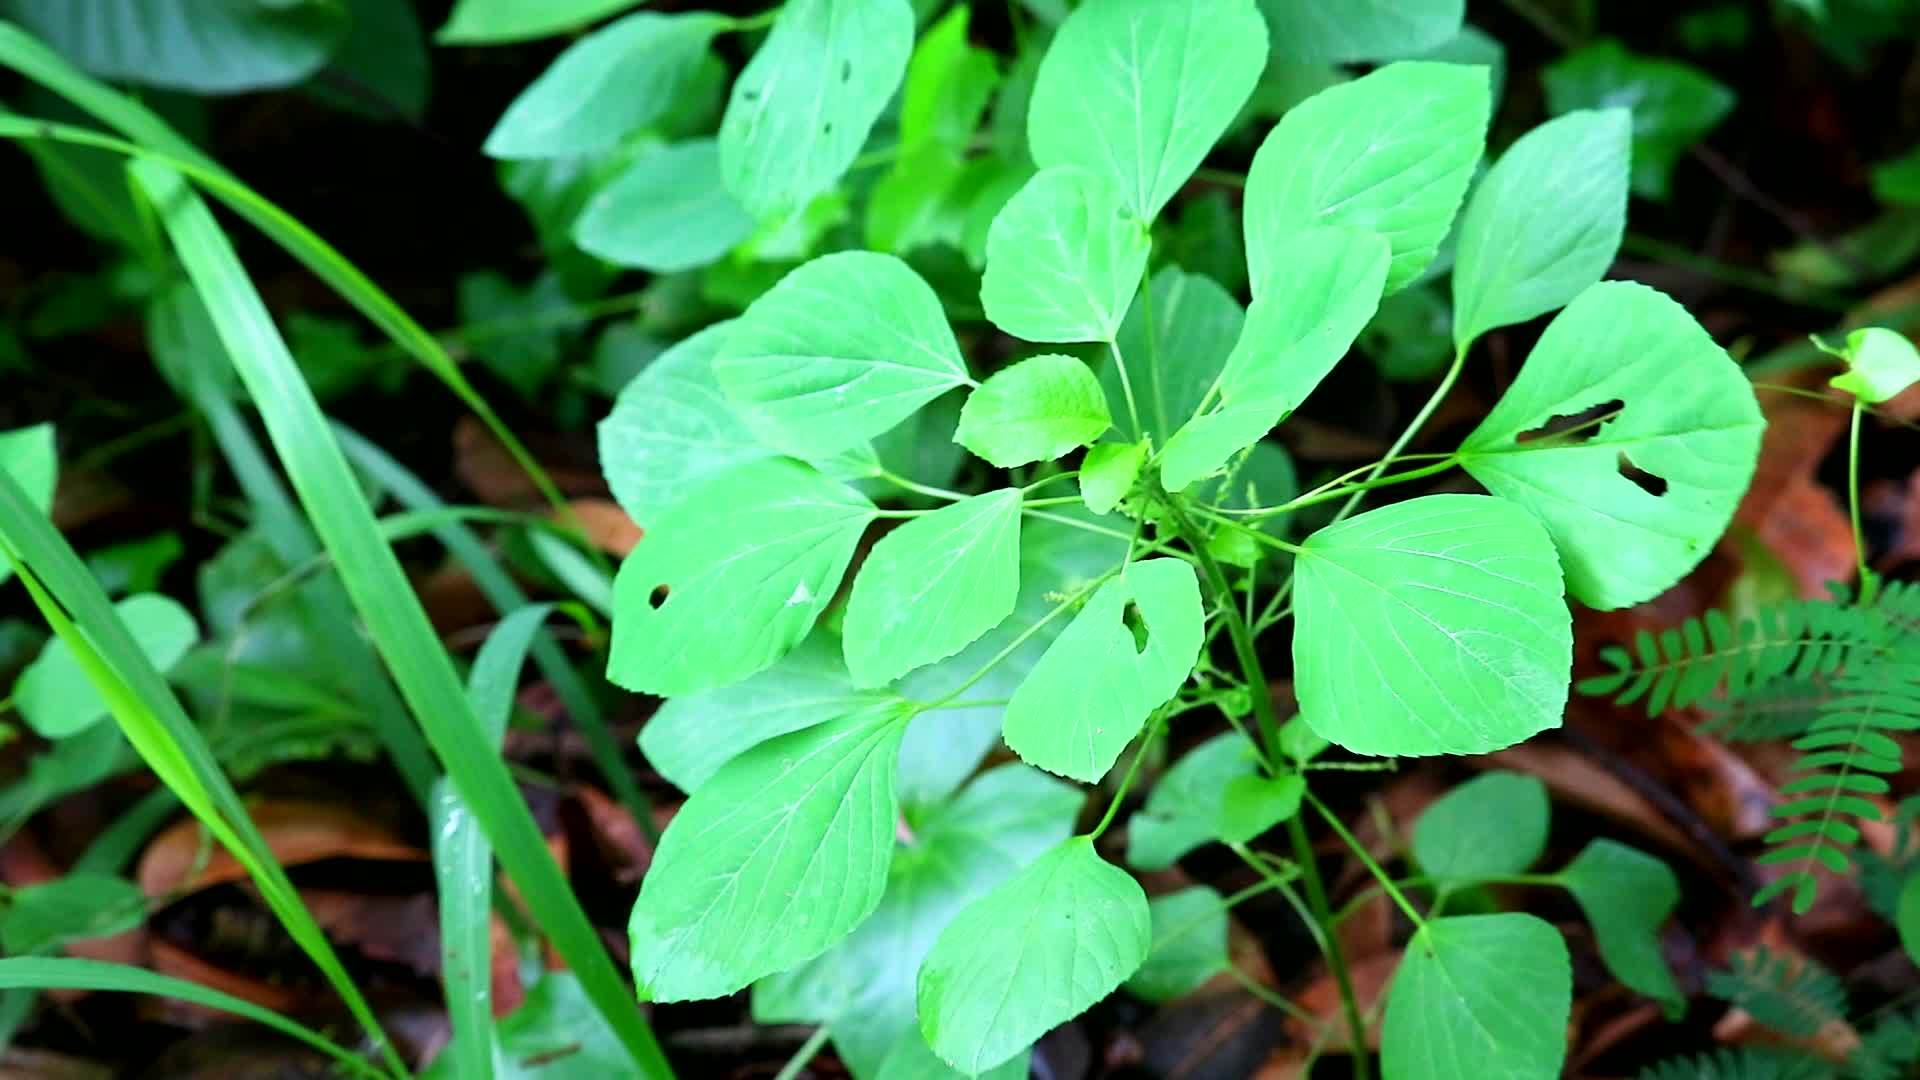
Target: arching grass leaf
pixel 782 853
pixel 1172 361
pixel 666 211
pixel 1390 152
pixel 1183 809
pixel 805 103
pixel 1362 29
pixel 1139 90
pixel 933 585
pixel 501 22
pixel 1490 826
pixel 1124 655
pixel 762 546
pixel 217 47
pixel 1064 258
pixel 54 695
pixel 28 456
pixel 1627 895
pixel 1030 955
pixel 1544 223
pixel 1432 626
pixel 1036 410
pixel 1674 105
pixel 1479 996
pixel 842 349
pixel 1189 944
pixel 1637 496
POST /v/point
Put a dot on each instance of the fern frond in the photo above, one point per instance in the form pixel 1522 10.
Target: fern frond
pixel 1795 997
pixel 1741 1063
pixel 1899 604
pixel 1846 756
pixel 1889 1050
pixel 1681 666
pixel 1781 709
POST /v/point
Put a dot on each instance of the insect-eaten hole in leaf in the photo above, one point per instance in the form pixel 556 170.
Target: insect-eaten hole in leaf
pixel 658 597
pixel 1655 486
pixel 1136 625
pixel 846 71
pixel 1574 428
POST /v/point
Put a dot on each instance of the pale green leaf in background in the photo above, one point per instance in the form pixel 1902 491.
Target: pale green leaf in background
pixel 1139 90
pixel 1064 258
pixel 763 545
pixel 74 907
pixel 1674 105
pixel 664 211
pixel 54 695
pixel 1880 364
pixel 1479 996
pixel 202 46
pixel 1390 152
pixel 1183 810
pixel 1544 223
pixel 1432 626
pixel 1492 826
pixel 502 22
pixel 1252 804
pixel 1361 29
pixel 1189 944
pixel 1173 360
pixel 1907 916
pixel 932 586
pixel 29 458
pixel 1088 696
pixel 1678 410
pixel 1036 410
pixel 1627 896
pixel 1107 473
pixel 1038 950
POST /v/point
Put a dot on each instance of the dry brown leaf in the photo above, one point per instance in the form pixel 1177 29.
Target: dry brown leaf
pixel 297 831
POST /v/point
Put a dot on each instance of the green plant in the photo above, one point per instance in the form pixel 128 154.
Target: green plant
pixel 827 745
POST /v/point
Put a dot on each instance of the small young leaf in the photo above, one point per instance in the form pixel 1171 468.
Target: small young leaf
pixel 1491 826
pixel 1674 105
pixel 498 22
pixel 842 349
pixel 1432 626
pixel 1172 363
pixel 1880 364
pixel 1107 473
pixel 1036 410
pixel 1479 996
pixel 1544 224
pixel 1362 29
pixel 763 545
pixel 54 695
pixel 1390 153
pixel 1088 696
pixel 28 457
pixel 1638 501
pixel 664 212
pixel 933 585
pixel 806 102
pixel 606 86
pixel 1139 90
pixel 1251 805
pixel 1064 258
pixel 1189 944
pixel 1627 895
pixel 1032 954
pixel 1183 809
pixel 777 857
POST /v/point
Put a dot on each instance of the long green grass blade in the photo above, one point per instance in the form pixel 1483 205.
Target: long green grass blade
pixel 63 973
pixel 387 605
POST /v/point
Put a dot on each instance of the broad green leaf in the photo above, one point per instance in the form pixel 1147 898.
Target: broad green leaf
pixel 136 565
pixel 932 586
pixel 804 105
pixel 1544 223
pixel 1099 681
pixel 664 212
pixel 1361 29
pixel 1173 359
pixel 1183 809
pixel 1250 805
pixel 671 430
pixel 1036 410
pixel 1411 336
pixel 1907 916
pixel 29 458
pixel 842 349
pixel 1473 46
pixel 1479 996
pixel 1314 302
pixel 54 695
pixel 202 46
pixel 1139 91
pixel 1035 952
pixel 778 856
pixel 1064 258
pixel 385 50
pixel 1683 422
pixel 912 1059
pixel 1674 105
pixel 1107 473
pixel 1491 826
pixel 762 546
pixel 70 908
pixel 1432 626
pixel 1896 181
pixel 863 988
pixel 689 738
pixel 1880 364
pixel 1189 944
pixel 606 86
pixel 1390 152
pixel 1627 895
pixel 501 22
pixel 948 84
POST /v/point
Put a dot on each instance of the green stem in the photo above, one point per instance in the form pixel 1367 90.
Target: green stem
pixel 1319 926
pixel 1360 850
pixel 1868 582
pixel 1126 381
pixel 1126 781
pixel 923 489
pixel 1419 421
pixel 805 1054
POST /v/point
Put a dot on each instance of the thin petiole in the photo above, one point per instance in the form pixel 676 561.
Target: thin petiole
pixel 1126 382
pixel 1360 851
pixel 1126 782
pixel 801 1057
pixel 923 489
pixel 1868 583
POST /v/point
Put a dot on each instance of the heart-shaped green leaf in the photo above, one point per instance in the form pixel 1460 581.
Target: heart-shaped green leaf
pixel 1064 258
pixel 1627 895
pixel 1479 996
pixel 1036 410
pixel 1490 826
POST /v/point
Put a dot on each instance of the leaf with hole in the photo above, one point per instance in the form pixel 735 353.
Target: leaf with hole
pixel 1036 410
pixel 763 545
pixel 1628 895
pixel 1638 495
pixel 1362 29
pixel 1125 654
pixel 1674 105
pixel 1479 996
pixel 1064 258
pixel 57 699
pixel 1433 626
pixel 842 349
pixel 932 586
pixel 1189 944
pixel 1139 91
pixel 665 211
pixel 1390 153
pixel 1171 361
pixel 1038 950
pixel 1492 826
pixel 1544 224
